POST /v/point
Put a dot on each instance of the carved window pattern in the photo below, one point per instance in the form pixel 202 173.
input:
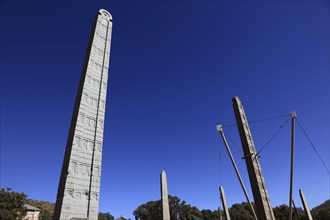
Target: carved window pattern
pixel 88 144
pixel 89 121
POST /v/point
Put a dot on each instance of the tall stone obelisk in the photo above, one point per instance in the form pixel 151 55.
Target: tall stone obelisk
pixel 164 194
pixel 79 186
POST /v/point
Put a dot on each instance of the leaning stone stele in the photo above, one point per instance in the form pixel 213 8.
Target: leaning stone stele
pixel 79 187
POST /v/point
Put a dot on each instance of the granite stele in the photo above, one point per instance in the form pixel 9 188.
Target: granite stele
pixel 79 186
pixel 164 195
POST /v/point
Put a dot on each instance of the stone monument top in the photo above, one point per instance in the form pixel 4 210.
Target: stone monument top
pixel 105 14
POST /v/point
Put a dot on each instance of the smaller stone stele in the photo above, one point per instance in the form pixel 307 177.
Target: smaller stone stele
pixel 164 194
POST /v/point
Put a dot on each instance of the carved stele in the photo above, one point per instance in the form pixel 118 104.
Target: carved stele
pixel 262 202
pixel 164 195
pixel 79 186
pixel 224 203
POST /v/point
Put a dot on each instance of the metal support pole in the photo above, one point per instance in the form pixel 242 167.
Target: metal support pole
pixel 295 211
pixel 220 130
pixel 293 115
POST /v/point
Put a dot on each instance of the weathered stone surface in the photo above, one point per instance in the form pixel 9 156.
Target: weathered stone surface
pixel 264 208
pixel 224 203
pixel 79 187
pixel 304 202
pixel 164 194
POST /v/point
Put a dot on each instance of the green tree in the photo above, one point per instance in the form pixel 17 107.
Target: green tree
pixel 148 211
pixel 241 212
pixel 189 212
pixel 281 212
pixel 178 210
pixel 105 216
pixel 322 212
pixel 45 215
pixel 299 214
pixel 183 211
pixel 11 204
pixel 208 214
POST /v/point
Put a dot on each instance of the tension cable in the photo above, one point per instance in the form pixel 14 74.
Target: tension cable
pixel 261 120
pixel 272 137
pixel 317 153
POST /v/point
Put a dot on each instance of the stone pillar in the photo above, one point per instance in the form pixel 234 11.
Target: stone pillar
pixel 263 207
pixel 224 203
pixel 79 187
pixel 164 194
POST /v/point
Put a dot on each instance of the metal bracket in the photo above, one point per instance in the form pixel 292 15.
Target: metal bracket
pixel 219 127
pixel 293 114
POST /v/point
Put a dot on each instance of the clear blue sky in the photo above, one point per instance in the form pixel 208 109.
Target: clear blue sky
pixel 174 68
